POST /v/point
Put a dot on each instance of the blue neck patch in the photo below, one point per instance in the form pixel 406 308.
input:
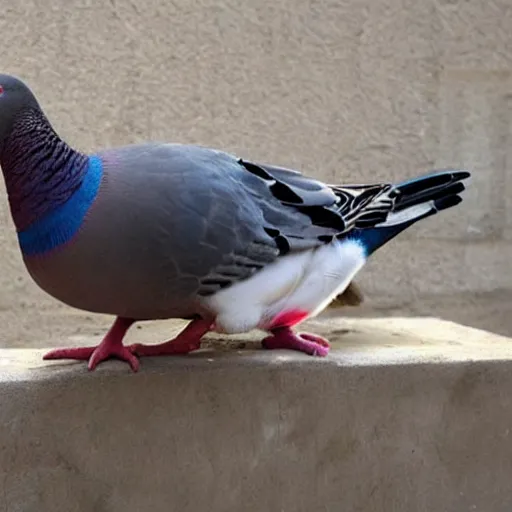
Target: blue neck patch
pixel 62 224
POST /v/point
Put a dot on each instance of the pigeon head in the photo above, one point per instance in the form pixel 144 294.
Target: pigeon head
pixel 15 97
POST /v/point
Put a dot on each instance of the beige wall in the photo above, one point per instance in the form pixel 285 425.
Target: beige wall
pixel 345 90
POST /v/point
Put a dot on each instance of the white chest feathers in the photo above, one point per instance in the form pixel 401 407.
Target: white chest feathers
pixel 296 286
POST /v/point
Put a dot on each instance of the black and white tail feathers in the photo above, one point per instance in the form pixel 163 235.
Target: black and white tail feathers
pixel 372 213
pixel 375 214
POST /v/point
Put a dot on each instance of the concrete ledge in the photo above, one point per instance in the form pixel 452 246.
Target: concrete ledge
pixel 404 415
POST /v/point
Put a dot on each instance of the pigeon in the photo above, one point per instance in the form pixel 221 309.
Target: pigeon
pixel 153 231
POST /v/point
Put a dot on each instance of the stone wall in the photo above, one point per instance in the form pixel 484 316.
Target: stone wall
pixel 392 421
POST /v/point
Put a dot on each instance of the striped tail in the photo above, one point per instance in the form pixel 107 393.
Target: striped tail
pixel 412 201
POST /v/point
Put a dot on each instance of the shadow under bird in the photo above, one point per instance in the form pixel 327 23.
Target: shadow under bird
pixel 156 231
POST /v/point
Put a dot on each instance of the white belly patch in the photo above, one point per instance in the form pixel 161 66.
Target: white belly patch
pixel 304 283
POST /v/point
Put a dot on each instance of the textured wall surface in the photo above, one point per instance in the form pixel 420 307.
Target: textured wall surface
pixel 347 90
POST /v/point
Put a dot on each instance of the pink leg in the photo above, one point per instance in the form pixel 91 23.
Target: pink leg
pixel 187 340
pixel 284 337
pixel 111 346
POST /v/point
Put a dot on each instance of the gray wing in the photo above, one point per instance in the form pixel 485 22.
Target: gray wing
pixel 282 211
pixel 231 217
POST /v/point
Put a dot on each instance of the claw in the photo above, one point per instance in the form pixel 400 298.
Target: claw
pixel 95 355
pixel 285 338
pixel 103 353
pixel 112 346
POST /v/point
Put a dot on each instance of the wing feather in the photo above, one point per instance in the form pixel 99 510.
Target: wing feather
pixel 223 218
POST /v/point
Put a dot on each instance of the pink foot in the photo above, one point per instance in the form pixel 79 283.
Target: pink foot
pixel 111 347
pixel 303 342
pixel 187 340
pixel 95 355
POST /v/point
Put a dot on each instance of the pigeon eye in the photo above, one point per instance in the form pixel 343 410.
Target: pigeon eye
pixel 1 90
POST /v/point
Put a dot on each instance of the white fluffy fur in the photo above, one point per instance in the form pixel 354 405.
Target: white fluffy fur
pixel 306 281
